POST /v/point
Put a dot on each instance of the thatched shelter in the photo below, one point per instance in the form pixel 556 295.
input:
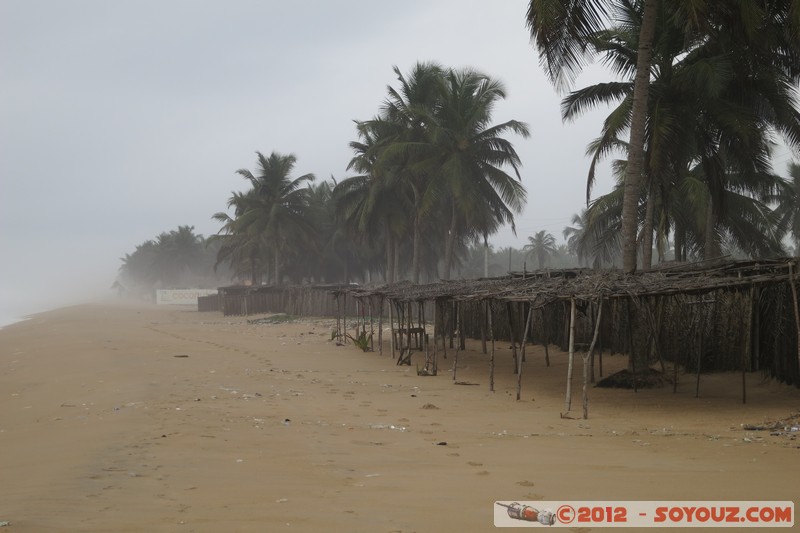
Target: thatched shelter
pixel 711 316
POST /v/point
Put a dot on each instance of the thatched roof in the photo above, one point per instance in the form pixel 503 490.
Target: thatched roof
pixel 545 286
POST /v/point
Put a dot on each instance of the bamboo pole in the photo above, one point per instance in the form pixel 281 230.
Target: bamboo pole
pixel 568 400
pixel 371 328
pixel 522 355
pixel 587 357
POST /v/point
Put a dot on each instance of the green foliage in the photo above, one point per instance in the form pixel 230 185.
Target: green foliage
pixel 178 258
pixel 362 341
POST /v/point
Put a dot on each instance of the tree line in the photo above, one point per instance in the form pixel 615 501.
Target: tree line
pixel 701 92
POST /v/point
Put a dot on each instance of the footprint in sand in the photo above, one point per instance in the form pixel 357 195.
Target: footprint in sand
pixel 482 473
pixel 525 483
pixel 473 463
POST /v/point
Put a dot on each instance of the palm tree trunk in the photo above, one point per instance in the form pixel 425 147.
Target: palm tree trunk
pixel 389 257
pixel 450 241
pixel 415 261
pixel 485 256
pixel 641 88
pixel 253 268
pixel 647 241
pixel 679 240
pixel 712 246
pixel 277 267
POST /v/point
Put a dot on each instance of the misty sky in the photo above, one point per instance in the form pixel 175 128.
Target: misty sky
pixel 122 119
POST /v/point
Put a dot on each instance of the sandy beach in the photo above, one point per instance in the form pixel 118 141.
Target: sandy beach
pixel 138 418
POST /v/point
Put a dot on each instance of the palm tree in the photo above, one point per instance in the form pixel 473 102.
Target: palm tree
pixel 176 253
pixel 542 245
pixel 761 37
pixel 697 118
pixel 561 32
pixel 787 211
pixel 373 205
pixel 272 215
pixel 433 152
pixel 402 125
pixel 465 154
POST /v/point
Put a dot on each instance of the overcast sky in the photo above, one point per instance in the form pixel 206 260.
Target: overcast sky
pixel 122 119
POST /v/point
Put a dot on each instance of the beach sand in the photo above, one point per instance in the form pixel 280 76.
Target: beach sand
pixel 138 418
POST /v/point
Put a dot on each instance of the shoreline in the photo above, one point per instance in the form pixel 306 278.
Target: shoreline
pixel 136 417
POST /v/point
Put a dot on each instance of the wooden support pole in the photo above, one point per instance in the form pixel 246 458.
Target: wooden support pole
pixel 631 355
pixel 756 354
pixel 522 355
pixel 409 325
pixel 445 324
pixel 338 319
pixel 435 331
pixel 702 338
pixel 796 308
pixel 371 328
pixel 572 310
pixel 483 332
pixel 588 356
pixel 748 327
pixel 511 333
pixel 380 327
pixel 491 336
pixel 546 338
pixel 390 304
pixel 458 347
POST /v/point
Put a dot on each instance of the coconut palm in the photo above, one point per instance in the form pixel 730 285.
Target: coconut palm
pixel 561 32
pixel 272 215
pixel 400 126
pixel 372 205
pixel 759 39
pixel 787 211
pixel 542 245
pixel 697 118
pixel 464 154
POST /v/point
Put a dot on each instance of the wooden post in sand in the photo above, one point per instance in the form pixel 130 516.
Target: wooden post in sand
pixel 746 344
pixel 587 357
pixel 390 303
pixel 491 336
pixel 796 308
pixel 380 328
pixel 522 355
pixel 568 401
pixel 631 355
pixel 458 346
pixel 371 328
pixel 511 333
pixel 545 338
pixel 338 319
